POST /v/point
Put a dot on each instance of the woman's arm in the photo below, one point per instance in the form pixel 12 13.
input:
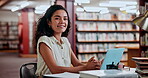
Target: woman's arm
pixel 74 60
pixel 89 66
pixel 54 68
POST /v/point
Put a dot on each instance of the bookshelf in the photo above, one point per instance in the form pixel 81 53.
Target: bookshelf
pixel 143 33
pixel 9 37
pixel 96 33
pixel 144 43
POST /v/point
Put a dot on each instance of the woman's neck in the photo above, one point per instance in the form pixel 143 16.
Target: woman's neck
pixel 58 37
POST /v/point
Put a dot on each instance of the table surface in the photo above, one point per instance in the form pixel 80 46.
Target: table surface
pixel 74 75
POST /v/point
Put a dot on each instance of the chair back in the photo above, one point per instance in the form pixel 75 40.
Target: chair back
pixel 28 70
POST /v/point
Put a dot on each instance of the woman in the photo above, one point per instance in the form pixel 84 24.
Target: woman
pixel 54 52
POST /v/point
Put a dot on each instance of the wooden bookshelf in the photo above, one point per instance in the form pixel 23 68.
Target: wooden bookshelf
pixel 95 35
pixel 109 30
pixel 143 34
pixel 109 41
pixel 144 43
pixel 9 37
pixel 104 20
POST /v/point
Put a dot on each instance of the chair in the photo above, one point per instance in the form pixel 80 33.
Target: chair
pixel 28 70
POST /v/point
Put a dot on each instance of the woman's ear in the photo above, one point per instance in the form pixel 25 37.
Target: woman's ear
pixel 48 22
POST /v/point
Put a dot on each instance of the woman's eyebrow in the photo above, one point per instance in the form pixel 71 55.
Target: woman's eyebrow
pixel 56 16
pixel 59 16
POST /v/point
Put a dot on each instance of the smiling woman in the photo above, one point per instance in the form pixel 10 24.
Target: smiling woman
pixel 59 21
pixel 54 51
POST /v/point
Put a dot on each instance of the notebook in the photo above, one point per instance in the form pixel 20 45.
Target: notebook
pixel 112 55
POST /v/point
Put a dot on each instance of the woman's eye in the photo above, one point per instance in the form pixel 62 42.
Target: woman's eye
pixel 65 18
pixel 56 18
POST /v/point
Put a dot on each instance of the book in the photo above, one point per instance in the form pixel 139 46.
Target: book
pixel 141 67
pixel 62 75
pixel 142 63
pixel 142 75
pixel 140 59
pixel 142 71
pixel 108 74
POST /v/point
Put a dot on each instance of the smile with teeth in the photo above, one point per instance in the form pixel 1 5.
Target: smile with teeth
pixel 60 26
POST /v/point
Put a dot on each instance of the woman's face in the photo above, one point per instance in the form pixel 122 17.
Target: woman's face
pixel 59 21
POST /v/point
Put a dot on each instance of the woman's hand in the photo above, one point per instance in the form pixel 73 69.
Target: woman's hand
pixel 93 64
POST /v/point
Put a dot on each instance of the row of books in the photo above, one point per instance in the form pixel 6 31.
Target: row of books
pixel 11 32
pixel 107 16
pixel 11 37
pixel 82 26
pixel 141 66
pixel 10 28
pixel 107 36
pixel 98 56
pixel 101 47
pixel 8 46
pixel 95 47
pixel 144 53
pixel 10 42
pixel 8 35
pixel 11 23
pixel 144 40
pixel 3 28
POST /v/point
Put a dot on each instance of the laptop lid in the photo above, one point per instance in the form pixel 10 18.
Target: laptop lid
pixel 112 55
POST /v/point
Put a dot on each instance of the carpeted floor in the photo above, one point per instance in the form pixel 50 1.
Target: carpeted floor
pixel 10 64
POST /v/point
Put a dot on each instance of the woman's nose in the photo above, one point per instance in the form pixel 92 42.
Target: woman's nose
pixel 62 21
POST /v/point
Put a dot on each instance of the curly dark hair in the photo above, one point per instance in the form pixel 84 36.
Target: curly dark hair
pixel 43 28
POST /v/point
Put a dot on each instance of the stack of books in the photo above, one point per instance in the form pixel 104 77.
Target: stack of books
pixel 141 66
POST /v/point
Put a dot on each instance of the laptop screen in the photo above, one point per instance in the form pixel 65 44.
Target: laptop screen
pixel 112 55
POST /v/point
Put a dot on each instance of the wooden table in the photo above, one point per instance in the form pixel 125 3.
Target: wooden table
pixel 133 51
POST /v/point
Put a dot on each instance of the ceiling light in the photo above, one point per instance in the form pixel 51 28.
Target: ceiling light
pixel 111 5
pixel 104 11
pixel 39 12
pixel 15 9
pixel 94 9
pixel 75 3
pixel 123 2
pixel 41 9
pixel 127 8
pixel 131 11
pixel 82 1
pixel 80 9
pixel 20 5
pixel 24 4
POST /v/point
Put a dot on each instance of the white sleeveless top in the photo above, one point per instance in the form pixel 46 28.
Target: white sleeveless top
pixel 61 53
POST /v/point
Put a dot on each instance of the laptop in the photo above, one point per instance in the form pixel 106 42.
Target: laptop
pixel 112 55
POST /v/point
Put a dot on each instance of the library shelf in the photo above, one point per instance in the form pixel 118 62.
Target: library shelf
pixel 9 37
pixel 109 41
pixel 9 51
pixel 104 20
pixel 96 52
pixel 95 35
pixel 144 43
pixel 109 30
